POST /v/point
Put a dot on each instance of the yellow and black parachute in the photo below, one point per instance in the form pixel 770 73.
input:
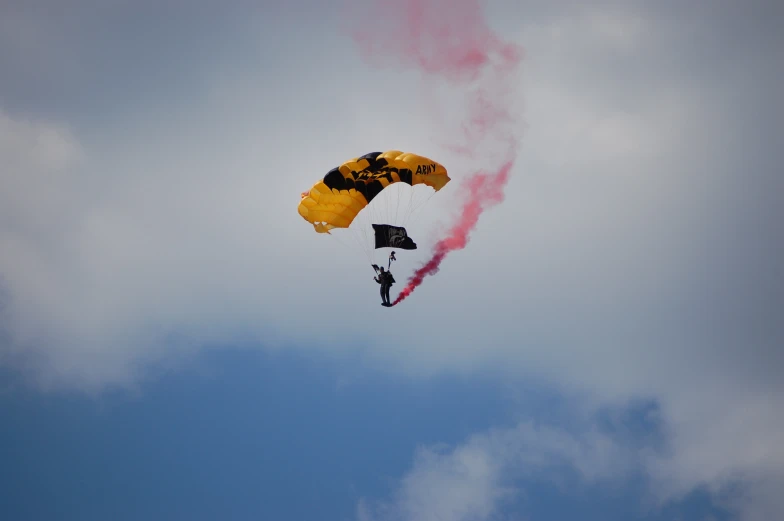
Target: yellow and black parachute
pixel 335 200
pixel 382 188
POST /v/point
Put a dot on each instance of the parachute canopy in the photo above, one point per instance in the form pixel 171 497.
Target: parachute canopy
pixel 335 200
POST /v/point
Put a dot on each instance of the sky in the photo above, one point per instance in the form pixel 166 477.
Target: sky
pixel 177 343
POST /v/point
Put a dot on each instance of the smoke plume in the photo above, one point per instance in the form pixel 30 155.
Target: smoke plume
pixel 451 40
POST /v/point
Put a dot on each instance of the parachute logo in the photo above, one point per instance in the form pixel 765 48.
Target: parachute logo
pixel 404 174
pixel 426 169
pixel 396 237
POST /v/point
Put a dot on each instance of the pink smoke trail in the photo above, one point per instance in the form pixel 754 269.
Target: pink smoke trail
pixel 450 39
pixel 484 190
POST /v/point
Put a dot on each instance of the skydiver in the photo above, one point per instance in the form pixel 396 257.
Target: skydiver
pixel 386 280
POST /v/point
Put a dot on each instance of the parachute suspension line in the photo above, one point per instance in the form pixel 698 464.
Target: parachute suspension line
pixel 386 206
pixel 335 235
pixel 407 205
pixel 360 243
pixel 410 203
pixel 359 235
pixel 417 197
pixel 397 207
pixel 365 241
pixel 415 207
pixel 416 211
pixel 407 208
pixel 371 215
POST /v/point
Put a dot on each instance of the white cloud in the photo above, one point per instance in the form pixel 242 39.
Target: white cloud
pixel 38 162
pixel 474 480
pixel 477 479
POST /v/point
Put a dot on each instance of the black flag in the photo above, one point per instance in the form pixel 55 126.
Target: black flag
pixel 388 236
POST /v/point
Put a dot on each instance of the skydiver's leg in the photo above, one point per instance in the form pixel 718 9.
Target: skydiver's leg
pixel 381 291
pixel 386 293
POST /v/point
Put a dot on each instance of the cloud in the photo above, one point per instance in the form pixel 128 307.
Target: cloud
pixel 638 253
pixel 39 163
pixel 496 471
pixel 476 479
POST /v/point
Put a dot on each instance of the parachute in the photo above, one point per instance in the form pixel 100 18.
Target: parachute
pixel 382 189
